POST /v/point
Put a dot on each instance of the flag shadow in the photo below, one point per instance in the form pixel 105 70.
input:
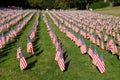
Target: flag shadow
pixel 3 60
pixel 117 56
pixel 66 62
pixel 5 50
pixel 39 52
pixel 18 36
pixel 29 57
pixel 65 55
pixel 31 65
pixel 3 54
pixel 20 33
pixel 11 44
pixel 36 41
pixel 67 65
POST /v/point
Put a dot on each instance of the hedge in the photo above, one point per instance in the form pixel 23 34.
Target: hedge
pixel 99 5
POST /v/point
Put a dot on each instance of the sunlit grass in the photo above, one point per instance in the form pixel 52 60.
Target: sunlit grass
pixel 109 10
pixel 42 65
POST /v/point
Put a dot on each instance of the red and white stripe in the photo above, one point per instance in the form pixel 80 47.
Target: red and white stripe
pixel 101 66
pixel 61 64
pixel 23 63
pixel 18 53
pixel 90 52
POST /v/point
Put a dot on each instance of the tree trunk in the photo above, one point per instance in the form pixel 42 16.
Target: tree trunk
pixel 119 57
pixel 87 6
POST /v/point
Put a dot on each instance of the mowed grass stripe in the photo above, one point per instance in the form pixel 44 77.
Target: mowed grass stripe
pixel 42 65
pixel 91 70
pixel 9 65
pixel 45 66
pixel 79 64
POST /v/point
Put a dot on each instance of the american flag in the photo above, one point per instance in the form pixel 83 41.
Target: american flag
pixel 0 42
pixel 90 51
pixel 18 52
pixel 7 37
pixel 118 39
pixel 23 62
pixel 113 48
pixel 92 38
pixel 78 42
pixel 61 62
pixel 58 52
pixel 101 64
pixel 3 39
pixel 30 46
pixel 95 58
pixel 97 42
pixel 102 44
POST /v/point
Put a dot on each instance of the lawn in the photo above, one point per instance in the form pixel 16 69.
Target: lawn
pixel 109 10
pixel 42 65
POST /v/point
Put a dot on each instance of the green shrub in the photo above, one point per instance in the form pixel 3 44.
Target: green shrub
pixel 99 5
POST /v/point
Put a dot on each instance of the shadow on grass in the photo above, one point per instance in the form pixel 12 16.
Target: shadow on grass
pixel 117 56
pixel 10 44
pixel 39 52
pixel 65 55
pixel 3 60
pixel 31 65
pixel 7 47
pixel 20 33
pixel 29 57
pixel 65 58
pixel 36 45
pixel 36 40
pixel 5 50
pixel 14 40
pixel 3 54
pixel 67 65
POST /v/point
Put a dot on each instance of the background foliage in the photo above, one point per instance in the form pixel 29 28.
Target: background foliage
pixel 58 4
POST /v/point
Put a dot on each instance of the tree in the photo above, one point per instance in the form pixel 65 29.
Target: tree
pixel 115 2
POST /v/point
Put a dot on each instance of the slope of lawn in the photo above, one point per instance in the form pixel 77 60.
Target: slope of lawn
pixel 42 65
pixel 80 66
pixel 109 10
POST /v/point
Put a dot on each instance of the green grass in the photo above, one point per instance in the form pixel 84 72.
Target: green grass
pixel 82 63
pixel 109 10
pixel 42 65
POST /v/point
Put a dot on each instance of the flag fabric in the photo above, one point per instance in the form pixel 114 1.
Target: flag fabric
pixel 102 44
pixel 78 42
pixel 3 39
pixel 18 52
pixel 83 47
pixel 109 44
pixel 118 39
pixel 101 64
pixel 92 38
pixel 105 37
pixel 90 51
pixel 61 62
pixel 1 43
pixel 30 46
pixel 95 58
pixel 58 51
pixel 113 48
pixel 23 62
pixel 97 42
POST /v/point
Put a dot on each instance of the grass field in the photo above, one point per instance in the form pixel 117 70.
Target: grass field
pixel 109 10
pixel 42 65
